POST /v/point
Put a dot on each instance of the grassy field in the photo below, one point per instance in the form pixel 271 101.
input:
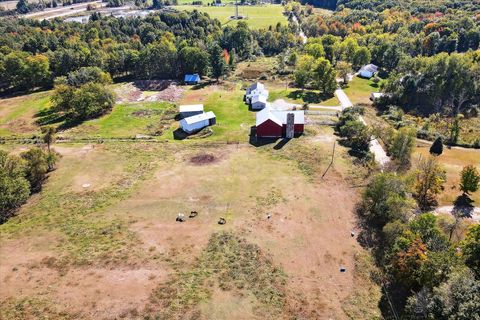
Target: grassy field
pixel 65 251
pixel 17 115
pixel 257 16
pixel 359 90
pixel 127 120
pixel 453 161
pixel 233 118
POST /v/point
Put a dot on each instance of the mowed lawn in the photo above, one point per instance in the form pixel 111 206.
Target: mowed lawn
pixel 359 90
pixel 125 121
pixel 17 114
pixel 234 120
pixel 258 17
pixel 453 160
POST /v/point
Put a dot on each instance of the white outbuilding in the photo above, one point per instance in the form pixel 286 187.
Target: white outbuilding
pixel 197 122
pixel 191 110
pixel 376 95
pixel 368 71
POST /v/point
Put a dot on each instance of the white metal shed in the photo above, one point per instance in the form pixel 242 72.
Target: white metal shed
pixel 197 122
pixel 191 110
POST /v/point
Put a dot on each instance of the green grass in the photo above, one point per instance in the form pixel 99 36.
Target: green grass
pixel 296 96
pixel 258 17
pixel 127 120
pixel 233 117
pixel 359 90
pixel 16 114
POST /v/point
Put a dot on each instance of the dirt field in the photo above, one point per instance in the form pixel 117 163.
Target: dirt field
pixel 114 250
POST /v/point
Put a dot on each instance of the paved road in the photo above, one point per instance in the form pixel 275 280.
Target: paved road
pixel 375 147
pixel 473 213
pixel 344 100
pixel 62 11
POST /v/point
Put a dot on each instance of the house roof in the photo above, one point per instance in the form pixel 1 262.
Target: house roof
pixel 256 86
pixel 259 98
pixel 279 116
pixel 199 117
pixel 191 108
pixel 370 68
pixel 191 77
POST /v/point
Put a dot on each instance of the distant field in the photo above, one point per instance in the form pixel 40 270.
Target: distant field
pixel 257 16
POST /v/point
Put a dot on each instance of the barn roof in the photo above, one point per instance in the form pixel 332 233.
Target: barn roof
pixel 282 116
pixel 192 77
pixel 191 108
pixel 200 117
pixel 279 116
pixel 265 115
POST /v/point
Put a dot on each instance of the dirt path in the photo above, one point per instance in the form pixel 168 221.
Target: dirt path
pixel 375 147
pixel 467 212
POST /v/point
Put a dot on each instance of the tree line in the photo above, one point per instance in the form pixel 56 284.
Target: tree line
pixel 24 174
pixel 161 45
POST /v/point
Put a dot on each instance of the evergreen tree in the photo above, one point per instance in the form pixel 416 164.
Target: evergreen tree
pixel 437 147
pixel 217 62
pixel 23 7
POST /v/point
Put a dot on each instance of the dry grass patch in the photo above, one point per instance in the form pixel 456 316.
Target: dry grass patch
pixel 453 161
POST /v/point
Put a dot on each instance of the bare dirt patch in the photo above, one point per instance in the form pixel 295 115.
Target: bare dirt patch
pixel 89 292
pixel 203 159
pixel 149 91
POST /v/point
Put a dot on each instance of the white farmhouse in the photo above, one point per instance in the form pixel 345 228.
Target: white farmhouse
pixel 256 89
pixel 258 102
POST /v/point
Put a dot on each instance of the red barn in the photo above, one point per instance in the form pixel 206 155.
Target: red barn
pixel 273 123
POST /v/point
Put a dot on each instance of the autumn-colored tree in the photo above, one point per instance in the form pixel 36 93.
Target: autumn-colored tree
pixel 407 264
pixel 430 177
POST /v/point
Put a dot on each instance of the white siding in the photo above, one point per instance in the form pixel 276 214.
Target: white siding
pixel 189 128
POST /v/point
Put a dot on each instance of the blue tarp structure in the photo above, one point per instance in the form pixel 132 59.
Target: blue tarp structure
pixel 192 78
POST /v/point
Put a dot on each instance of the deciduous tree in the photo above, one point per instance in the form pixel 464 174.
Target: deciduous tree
pixel 469 179
pixel 430 177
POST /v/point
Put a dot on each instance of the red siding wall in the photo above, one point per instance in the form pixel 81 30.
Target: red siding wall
pixel 297 129
pixel 269 129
